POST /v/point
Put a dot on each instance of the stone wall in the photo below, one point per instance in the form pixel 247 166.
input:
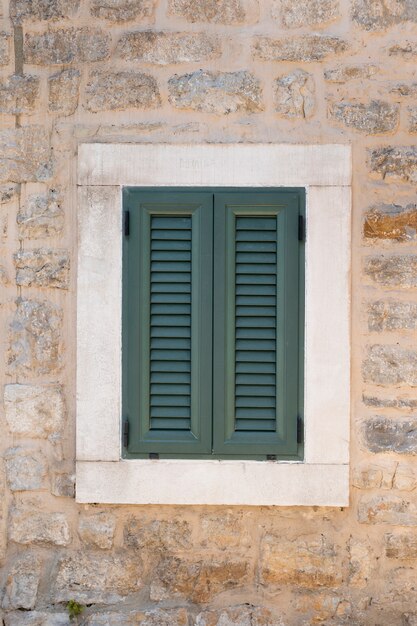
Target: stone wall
pixel 74 71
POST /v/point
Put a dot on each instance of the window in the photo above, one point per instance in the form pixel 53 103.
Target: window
pixel 321 476
pixel 213 291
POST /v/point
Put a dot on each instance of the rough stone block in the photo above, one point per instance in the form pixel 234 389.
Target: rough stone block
pixel 345 73
pixel 302 563
pixel 34 10
pixel 122 10
pixel 154 617
pixel 309 13
pixel 41 216
pixel 3 512
pixel 387 510
pixel 382 434
pixel 8 193
pixel 63 485
pixel 399 402
pixel 28 526
pixel 63 89
pixel 22 583
pixel 158 535
pixel 392 222
pixel 107 91
pixel 18 94
pixel 240 615
pixel 412 121
pixel 392 315
pixel 25 155
pixel 374 118
pixel 97 530
pixel 380 14
pixel 399 162
pixel 4 48
pixel 42 268
pixel 216 92
pixel 163 48
pixel 225 530
pixel 360 564
pixel 404 478
pixel 390 365
pixel 392 271
pixel 26 469
pixel 301 48
pixel 407 50
pixel 213 11
pixel 34 411
pixel 367 477
pixel 405 90
pixel 294 94
pixel 89 578
pixel 401 545
pixel 66 45
pixel 35 337
pixel 197 580
pixel 37 618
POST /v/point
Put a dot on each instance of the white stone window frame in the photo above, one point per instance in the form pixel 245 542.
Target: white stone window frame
pixel 322 477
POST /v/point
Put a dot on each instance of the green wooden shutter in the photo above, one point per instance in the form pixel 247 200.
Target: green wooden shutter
pixel 167 343
pixel 256 323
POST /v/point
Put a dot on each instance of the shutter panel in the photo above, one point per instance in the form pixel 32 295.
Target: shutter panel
pixel 256 324
pixel 168 294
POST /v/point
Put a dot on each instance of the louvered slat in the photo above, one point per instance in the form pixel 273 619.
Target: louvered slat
pixel 170 323
pixel 255 316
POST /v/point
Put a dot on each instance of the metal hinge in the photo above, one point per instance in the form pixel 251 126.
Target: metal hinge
pixel 300 430
pixel 153 455
pixel 125 433
pixel 301 228
pixel 126 223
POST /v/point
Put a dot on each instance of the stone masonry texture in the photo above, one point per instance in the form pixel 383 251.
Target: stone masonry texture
pixel 196 72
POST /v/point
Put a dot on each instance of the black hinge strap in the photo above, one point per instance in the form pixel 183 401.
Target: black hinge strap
pixel 301 228
pixel 300 430
pixel 126 223
pixel 125 433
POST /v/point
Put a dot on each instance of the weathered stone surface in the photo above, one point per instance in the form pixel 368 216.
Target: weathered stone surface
pixel 35 411
pixel 391 221
pixel 309 13
pixel 401 545
pixel 407 50
pixel 387 510
pixel 404 478
pixel 412 122
pixel 215 11
pixel 390 365
pixel 122 10
pixel 108 91
pixel 216 92
pixel 35 337
pixel 374 118
pixel 63 485
pixel 392 271
pixel 394 162
pixel 382 14
pixel 382 434
pixel 392 315
pixel 26 469
pixel 294 94
pixel 97 530
pixel 37 618
pixel 40 10
pixel 63 89
pixel 42 268
pixel 4 48
pixel 326 608
pixel 163 48
pixel 306 48
pixel 155 617
pixel 360 567
pixel 304 563
pixel 3 513
pixel 394 403
pixel 18 94
pixel 88 578
pixel 404 89
pixel 7 193
pixel 28 526
pixel 158 536
pixel 367 477
pixel 241 615
pixel 22 583
pixel 197 580
pixel 25 155
pixel 66 45
pixel 345 73
pixel 41 216
pixel 224 530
